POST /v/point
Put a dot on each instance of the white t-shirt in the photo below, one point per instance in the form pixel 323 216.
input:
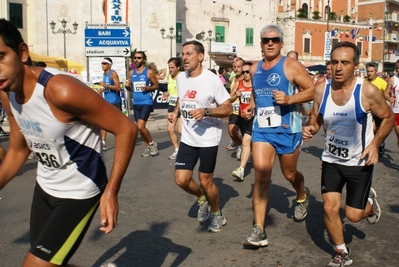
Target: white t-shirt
pixel 203 91
pixel 395 93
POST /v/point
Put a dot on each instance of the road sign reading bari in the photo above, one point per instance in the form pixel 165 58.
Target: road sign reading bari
pixel 107 42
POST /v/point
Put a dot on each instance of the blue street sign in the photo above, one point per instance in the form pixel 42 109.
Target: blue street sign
pixel 107 37
pixel 107 33
pixel 107 42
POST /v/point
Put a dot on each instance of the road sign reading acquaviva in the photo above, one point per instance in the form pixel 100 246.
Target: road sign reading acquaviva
pixel 107 42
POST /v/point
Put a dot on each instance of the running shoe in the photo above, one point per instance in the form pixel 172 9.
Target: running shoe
pixel 217 223
pixel 146 152
pixel 231 146
pixel 376 209
pixel 258 238
pixel 238 153
pixel 341 259
pixel 238 173
pixel 173 156
pixel 104 146
pixel 204 211
pixel 301 209
pixel 153 149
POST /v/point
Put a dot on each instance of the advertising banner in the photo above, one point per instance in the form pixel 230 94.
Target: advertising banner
pixel 116 11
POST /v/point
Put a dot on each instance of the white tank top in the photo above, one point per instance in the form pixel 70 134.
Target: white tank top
pixel 70 160
pixel 395 94
pixel 349 128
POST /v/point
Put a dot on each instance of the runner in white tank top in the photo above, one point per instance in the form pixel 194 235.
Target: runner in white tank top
pixel 59 118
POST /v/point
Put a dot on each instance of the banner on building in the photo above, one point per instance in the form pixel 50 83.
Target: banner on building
pixel 327 47
pixel 115 11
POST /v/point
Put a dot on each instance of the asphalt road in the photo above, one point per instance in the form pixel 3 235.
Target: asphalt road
pixel 157 224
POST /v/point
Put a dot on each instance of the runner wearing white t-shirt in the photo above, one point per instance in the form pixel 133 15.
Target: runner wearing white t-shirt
pixel 203 100
pixel 393 91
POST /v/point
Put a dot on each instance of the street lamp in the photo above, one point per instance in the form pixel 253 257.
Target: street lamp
pixel 170 36
pixel 383 39
pixel 327 11
pixel 64 30
pixel 210 39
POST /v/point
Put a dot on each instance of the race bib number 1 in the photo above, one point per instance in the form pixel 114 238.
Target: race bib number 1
pixel 269 117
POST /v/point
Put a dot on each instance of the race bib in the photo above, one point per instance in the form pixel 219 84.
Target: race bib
pixel 185 108
pixel 339 146
pixel 245 97
pixel 45 151
pixel 138 86
pixel 236 107
pixel 269 117
pixel 172 100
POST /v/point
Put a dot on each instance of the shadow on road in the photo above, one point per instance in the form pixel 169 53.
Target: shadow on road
pixel 313 150
pixel 145 248
pixel 225 193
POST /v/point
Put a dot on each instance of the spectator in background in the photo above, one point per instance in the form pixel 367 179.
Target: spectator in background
pixel 41 64
pixel 293 54
pixel 221 77
pixel 159 74
pixel 226 76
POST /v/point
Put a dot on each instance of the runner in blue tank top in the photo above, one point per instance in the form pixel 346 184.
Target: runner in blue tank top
pixel 276 126
pixel 142 81
pixel 111 89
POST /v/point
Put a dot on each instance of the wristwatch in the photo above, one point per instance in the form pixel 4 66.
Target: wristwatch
pixel 207 112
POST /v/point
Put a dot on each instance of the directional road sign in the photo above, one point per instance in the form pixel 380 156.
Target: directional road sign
pixel 107 42
pixel 107 51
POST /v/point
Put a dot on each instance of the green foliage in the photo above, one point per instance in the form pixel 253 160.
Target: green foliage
pixel 347 18
pixel 332 16
pixel 302 13
pixel 316 15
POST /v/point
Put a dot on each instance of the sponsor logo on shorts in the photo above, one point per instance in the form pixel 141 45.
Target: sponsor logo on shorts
pixel 45 250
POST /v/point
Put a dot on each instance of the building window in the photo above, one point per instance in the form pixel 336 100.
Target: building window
pixel 306 45
pixel 219 31
pixel 249 36
pixel 179 27
pixel 16 14
pixel 359 46
pixel 335 41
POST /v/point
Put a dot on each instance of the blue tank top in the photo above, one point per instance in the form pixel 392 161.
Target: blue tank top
pixel 111 96
pixel 271 117
pixel 138 81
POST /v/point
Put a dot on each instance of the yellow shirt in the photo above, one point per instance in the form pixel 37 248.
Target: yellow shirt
pixel 380 83
pixel 172 91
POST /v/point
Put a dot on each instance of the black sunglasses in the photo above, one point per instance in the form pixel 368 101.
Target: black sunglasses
pixel 137 58
pixel 245 71
pixel 275 40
